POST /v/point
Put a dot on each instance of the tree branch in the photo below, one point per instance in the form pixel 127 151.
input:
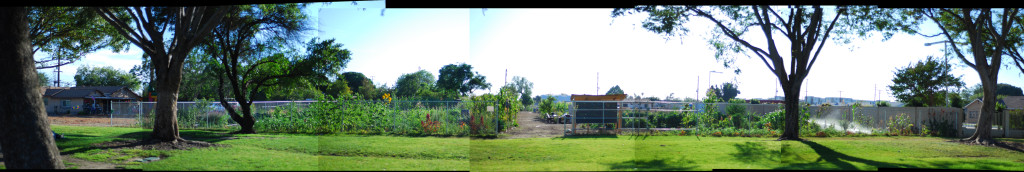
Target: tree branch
pixel 824 39
pixel 945 32
pixel 124 30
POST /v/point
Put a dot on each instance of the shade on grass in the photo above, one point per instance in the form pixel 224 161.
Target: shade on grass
pixel 352 152
pixel 689 153
pixel 277 151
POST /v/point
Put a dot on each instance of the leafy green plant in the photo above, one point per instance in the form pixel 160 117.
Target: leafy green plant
pixel 738 114
pixel 773 120
pixel 900 125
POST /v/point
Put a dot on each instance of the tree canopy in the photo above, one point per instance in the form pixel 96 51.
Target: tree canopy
pixel 1002 89
pixel 44 80
pixel 726 91
pixel 105 76
pixel 926 83
pixel 522 88
pixel 359 83
pixel 614 90
pixel 408 85
pixel 461 79
pixel 65 34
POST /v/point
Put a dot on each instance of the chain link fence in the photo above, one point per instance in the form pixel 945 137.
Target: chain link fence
pixel 663 115
pixel 191 115
pixel 449 117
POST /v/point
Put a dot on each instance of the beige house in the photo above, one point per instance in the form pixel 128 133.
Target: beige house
pixel 973 110
pixel 88 100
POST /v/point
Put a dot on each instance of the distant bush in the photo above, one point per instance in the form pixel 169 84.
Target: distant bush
pixel 882 104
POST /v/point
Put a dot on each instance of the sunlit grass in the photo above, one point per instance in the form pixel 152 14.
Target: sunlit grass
pixel 618 153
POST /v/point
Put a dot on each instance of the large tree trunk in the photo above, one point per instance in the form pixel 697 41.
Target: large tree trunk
pixel 245 120
pixel 248 121
pixel 25 136
pixel 983 131
pixel 791 131
pixel 165 126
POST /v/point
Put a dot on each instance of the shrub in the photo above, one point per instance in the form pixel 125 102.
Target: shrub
pixel 739 112
pixel 939 127
pixel 882 104
pixel 773 120
pixel 900 125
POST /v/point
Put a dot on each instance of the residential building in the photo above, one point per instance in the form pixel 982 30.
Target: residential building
pixel 973 110
pixel 87 100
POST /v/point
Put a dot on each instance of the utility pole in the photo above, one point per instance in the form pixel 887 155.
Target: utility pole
pixel 57 72
pixel 840 98
pixel 598 84
pixel 697 92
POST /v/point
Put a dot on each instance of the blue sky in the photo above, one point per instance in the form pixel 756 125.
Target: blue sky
pixel 563 50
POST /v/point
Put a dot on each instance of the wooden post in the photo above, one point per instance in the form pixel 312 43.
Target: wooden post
pixel 618 119
pixel 1006 124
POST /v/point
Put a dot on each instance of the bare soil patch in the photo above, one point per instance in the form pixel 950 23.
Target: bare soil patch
pixel 155 145
pixel 91 121
pixel 532 126
pixel 1014 146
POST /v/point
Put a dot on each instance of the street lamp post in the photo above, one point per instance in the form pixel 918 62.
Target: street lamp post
pixel 945 59
pixel 709 77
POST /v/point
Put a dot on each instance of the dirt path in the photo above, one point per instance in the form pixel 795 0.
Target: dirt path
pixel 532 126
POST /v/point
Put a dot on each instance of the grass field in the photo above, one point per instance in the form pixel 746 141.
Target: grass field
pixel 352 152
pixel 273 152
pixel 689 153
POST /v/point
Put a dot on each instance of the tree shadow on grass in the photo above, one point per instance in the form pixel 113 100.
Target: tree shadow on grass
pixel 77 143
pixel 755 152
pixel 678 164
pixel 838 159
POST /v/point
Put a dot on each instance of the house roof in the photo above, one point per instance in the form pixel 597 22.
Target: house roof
pixel 978 101
pixel 84 92
pixel 1014 102
pixel 1011 102
pixel 612 97
pixel 72 93
pixel 107 90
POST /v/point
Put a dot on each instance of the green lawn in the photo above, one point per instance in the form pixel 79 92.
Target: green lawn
pixel 352 152
pixel 689 153
pixel 274 151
